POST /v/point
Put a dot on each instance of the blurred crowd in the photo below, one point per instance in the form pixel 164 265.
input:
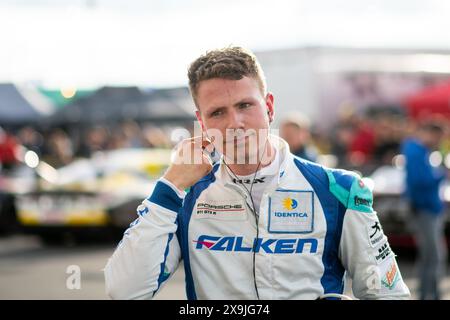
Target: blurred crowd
pixel 356 141
pixel 367 141
pixel 60 146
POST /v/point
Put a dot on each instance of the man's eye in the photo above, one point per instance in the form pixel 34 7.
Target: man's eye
pixel 216 113
pixel 244 105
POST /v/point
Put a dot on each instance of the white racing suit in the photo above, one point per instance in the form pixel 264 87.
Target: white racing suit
pixel 315 224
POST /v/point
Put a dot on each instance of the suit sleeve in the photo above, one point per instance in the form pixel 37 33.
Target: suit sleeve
pixel 149 252
pixel 365 252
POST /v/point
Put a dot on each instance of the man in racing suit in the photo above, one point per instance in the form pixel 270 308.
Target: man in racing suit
pixel 279 228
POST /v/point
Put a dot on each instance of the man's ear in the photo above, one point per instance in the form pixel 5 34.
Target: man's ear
pixel 270 106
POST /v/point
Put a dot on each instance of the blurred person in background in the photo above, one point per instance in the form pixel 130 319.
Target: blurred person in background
pixel 59 148
pixel 96 139
pixel 423 180
pixel 8 161
pixel 341 137
pixel 389 131
pixel 295 129
pixel 117 140
pixel 154 137
pixel 8 150
pixel 362 146
pixel 32 140
pixel 132 134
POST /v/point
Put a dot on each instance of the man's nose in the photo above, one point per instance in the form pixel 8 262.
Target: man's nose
pixel 235 120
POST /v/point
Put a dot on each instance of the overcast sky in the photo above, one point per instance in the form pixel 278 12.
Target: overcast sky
pixel 89 43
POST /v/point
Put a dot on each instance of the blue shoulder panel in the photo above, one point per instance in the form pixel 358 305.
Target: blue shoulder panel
pixel 184 216
pixel 344 178
pixel 333 276
pixel 350 190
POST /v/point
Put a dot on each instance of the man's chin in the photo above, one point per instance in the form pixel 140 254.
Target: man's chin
pixel 241 156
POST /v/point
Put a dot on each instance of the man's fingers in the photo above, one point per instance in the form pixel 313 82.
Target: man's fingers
pixel 198 141
pixel 203 143
pixel 208 144
pixel 208 147
pixel 196 150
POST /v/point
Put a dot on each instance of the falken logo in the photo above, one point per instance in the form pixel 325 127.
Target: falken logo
pixel 289 203
pixel 275 246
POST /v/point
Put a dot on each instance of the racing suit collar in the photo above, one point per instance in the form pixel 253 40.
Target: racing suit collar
pixel 285 157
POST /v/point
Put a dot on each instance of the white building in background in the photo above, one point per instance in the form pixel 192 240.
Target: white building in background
pixel 325 82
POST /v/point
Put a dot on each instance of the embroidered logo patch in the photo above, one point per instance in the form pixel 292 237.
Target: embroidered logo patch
pixel 375 234
pixel 391 277
pixel 289 204
pixel 291 211
pixel 221 210
pixel 384 252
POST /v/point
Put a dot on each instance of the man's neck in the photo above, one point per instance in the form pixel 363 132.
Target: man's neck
pixel 247 169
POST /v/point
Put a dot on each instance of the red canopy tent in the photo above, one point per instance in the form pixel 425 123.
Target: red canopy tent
pixel 430 102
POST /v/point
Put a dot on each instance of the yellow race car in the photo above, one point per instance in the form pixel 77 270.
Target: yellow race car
pixel 90 195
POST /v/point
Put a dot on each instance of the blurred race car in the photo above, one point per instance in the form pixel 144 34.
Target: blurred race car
pixel 388 184
pixel 88 195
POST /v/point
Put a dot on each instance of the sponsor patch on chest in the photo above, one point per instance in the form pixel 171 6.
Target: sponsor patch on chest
pixel 291 211
pixel 221 209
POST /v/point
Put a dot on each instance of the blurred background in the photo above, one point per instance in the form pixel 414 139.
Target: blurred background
pixel 93 97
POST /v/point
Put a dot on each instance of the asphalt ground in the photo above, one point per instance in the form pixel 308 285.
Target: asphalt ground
pixel 31 270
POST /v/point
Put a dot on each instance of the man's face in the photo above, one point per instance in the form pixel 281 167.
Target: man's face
pixel 234 113
pixel 295 137
pixel 435 139
pixel 430 138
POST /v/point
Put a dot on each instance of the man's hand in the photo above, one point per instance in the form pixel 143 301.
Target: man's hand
pixel 190 164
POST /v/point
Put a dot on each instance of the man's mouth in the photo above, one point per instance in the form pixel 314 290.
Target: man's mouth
pixel 238 140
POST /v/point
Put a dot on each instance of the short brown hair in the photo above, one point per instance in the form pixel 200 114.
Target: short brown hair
pixel 232 63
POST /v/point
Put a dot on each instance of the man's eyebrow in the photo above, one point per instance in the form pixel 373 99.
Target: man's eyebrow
pixel 244 100
pixel 214 109
pixel 222 108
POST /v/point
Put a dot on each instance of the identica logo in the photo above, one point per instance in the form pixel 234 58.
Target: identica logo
pixel 291 214
pixel 289 203
pixel 274 246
